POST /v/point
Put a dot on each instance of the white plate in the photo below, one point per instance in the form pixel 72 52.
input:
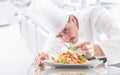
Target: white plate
pixel 92 63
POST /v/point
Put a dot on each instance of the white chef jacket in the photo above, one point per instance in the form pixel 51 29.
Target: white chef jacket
pixel 93 24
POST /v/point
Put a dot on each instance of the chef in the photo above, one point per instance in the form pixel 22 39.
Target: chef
pixel 83 29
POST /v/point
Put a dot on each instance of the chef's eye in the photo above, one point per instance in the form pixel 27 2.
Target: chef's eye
pixel 59 36
pixel 65 30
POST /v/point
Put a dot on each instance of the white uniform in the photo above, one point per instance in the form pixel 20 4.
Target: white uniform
pixel 95 22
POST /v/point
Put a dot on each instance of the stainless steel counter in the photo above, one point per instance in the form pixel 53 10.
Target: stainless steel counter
pixel 100 70
pixel 31 69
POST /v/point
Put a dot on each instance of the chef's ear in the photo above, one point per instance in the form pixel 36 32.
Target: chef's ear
pixel 73 19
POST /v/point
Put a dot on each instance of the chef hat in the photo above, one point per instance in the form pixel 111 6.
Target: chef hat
pixel 59 22
pixel 55 21
pixel 55 18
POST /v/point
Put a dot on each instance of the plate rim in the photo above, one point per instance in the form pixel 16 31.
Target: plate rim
pixel 92 63
pixel 60 64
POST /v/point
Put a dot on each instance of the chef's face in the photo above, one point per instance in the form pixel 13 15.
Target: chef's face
pixel 69 33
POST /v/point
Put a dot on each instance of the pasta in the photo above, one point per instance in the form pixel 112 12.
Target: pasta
pixel 70 58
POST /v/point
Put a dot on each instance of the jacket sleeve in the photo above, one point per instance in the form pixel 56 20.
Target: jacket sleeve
pixel 53 46
pixel 111 47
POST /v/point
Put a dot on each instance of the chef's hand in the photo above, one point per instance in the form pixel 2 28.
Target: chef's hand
pixel 42 56
pixel 87 48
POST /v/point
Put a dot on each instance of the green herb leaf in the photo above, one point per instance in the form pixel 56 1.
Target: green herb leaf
pixel 63 61
pixel 82 58
pixel 72 48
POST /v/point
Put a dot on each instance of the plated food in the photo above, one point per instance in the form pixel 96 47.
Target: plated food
pixel 70 58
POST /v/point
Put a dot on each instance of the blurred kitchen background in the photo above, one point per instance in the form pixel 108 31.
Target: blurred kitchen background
pixel 22 35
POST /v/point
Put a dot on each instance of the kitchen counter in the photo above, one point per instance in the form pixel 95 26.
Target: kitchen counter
pixel 32 69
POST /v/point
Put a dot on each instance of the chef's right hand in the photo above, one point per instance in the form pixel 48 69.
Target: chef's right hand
pixel 87 48
pixel 41 56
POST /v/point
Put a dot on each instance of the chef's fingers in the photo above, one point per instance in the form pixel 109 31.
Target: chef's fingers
pixel 80 45
pixel 89 53
pixel 37 59
pixel 45 56
pixel 87 47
